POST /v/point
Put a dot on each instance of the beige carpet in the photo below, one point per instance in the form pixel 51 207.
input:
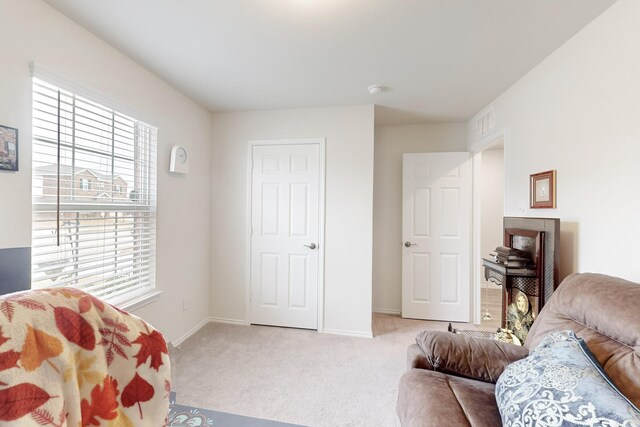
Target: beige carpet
pixel 297 376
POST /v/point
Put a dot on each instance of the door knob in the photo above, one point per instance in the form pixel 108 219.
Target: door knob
pixel 311 246
pixel 408 244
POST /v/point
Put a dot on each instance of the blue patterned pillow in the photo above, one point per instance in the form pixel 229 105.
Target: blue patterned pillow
pixel 561 384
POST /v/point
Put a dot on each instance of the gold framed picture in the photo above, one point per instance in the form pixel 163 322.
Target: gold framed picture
pixel 542 190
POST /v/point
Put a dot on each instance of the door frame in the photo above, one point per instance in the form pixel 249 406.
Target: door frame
pixel 321 142
pixel 476 255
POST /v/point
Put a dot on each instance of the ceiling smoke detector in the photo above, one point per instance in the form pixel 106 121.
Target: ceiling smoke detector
pixel 375 89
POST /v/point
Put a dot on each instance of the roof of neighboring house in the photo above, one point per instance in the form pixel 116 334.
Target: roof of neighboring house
pixel 66 170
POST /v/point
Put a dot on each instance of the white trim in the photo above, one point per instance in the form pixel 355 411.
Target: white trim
pixel 483 144
pixel 321 214
pixel 321 218
pixel 139 300
pixel 229 321
pixel 247 272
pixel 349 333
pixel 43 73
pixel 190 332
pixel 476 252
pixel 387 311
pixel 488 140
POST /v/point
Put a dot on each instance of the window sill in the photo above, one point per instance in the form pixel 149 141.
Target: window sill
pixel 140 300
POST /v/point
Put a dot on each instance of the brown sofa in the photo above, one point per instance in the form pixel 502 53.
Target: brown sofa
pixel 451 378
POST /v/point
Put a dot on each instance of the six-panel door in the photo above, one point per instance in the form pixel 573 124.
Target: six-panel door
pixel 285 230
pixel 436 224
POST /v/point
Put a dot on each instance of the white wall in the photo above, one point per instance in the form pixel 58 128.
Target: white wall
pixel 349 134
pixel 579 112
pixel 32 30
pixel 491 201
pixel 390 143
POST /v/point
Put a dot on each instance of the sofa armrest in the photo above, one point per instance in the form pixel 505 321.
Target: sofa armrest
pixel 479 359
pixel 416 358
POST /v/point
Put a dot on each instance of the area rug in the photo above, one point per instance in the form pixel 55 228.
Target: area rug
pixel 188 416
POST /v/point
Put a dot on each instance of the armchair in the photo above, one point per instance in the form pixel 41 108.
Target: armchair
pixel 451 378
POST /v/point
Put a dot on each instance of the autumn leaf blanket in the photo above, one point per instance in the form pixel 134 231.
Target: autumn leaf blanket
pixel 69 359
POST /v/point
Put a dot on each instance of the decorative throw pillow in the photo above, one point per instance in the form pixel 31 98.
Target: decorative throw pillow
pixel 561 384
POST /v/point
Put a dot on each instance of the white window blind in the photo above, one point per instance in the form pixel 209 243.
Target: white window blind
pixel 94 196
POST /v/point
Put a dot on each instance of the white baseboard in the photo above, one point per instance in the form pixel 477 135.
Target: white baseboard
pixel 196 328
pixel 190 332
pixel 348 333
pixel 229 321
pixel 387 311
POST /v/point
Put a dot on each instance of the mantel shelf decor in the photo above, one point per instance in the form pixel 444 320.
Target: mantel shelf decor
pixel 525 288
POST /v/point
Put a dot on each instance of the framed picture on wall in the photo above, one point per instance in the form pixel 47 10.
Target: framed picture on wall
pixel 8 148
pixel 542 190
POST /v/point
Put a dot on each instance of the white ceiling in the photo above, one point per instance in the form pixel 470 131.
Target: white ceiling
pixel 441 60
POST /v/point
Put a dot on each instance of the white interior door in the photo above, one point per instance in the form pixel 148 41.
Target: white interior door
pixel 285 212
pixel 436 223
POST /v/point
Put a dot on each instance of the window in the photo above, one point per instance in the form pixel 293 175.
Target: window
pixel 116 189
pixel 84 184
pixel 89 239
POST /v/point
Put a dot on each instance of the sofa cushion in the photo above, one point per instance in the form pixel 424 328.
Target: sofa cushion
pixel 433 399
pixel 560 383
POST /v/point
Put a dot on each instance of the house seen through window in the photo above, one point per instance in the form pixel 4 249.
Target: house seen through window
pixel 94 196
